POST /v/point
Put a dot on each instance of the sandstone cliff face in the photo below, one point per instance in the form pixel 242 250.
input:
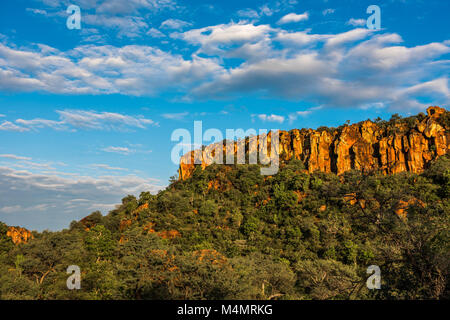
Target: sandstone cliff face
pixel 364 146
pixel 19 235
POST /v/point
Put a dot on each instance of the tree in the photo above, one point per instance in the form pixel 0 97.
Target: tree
pixel 100 242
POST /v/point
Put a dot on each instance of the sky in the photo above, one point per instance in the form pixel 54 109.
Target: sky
pixel 86 115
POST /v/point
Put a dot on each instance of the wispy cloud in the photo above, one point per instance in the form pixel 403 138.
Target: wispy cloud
pixel 304 113
pixel 175 116
pixel 356 22
pixel 9 126
pixel 37 11
pixel 248 13
pixel 120 150
pixel 124 18
pixel 106 167
pixel 328 11
pixel 269 118
pixel 24 162
pixel 267 9
pixel 41 123
pixel 80 119
pixel 155 33
pixel 293 17
pixel 14 157
pixel 102 120
pixel 175 24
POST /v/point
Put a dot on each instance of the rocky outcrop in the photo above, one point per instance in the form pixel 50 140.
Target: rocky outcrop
pixel 19 235
pixel 391 147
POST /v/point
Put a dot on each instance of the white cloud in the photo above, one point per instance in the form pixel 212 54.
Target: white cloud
pixel 293 116
pixel 126 18
pixel 175 24
pixel 293 17
pixel 102 120
pixel 128 26
pixel 9 126
pixel 175 116
pixel 115 6
pixel 80 119
pixel 41 123
pixel 437 89
pixel 106 167
pixel 348 36
pixel 248 13
pixel 155 33
pixel 356 22
pixel 439 86
pixel 303 113
pixel 220 38
pixel 300 38
pixel 33 165
pixel 23 162
pixel 14 157
pixel 133 6
pixel 36 11
pixel 269 9
pixel 89 69
pixel 352 69
pixel 270 118
pixel 121 150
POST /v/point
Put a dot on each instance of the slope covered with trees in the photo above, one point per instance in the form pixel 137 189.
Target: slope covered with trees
pixel 227 232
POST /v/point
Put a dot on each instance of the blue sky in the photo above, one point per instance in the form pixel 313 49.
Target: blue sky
pixel 86 115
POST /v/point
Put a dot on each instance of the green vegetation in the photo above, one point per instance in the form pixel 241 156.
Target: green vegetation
pixel 231 233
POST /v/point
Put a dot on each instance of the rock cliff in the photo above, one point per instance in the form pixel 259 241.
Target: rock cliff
pixel 19 235
pixel 407 144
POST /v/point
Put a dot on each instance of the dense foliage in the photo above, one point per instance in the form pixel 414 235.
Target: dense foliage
pixel 231 233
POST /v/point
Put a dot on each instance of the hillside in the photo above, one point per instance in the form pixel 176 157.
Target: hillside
pixel 373 193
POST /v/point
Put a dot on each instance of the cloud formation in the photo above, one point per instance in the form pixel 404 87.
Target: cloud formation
pixel 124 18
pixel 355 68
pixel 357 22
pixel 293 17
pixel 175 24
pixel 14 157
pixel 175 116
pixel 349 69
pixel 89 69
pixel 106 167
pixel 46 200
pixel 36 195
pixel 270 118
pixel 81 120
pixel 120 150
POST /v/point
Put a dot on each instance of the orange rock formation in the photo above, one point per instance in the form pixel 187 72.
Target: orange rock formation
pixel 19 235
pixel 362 146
